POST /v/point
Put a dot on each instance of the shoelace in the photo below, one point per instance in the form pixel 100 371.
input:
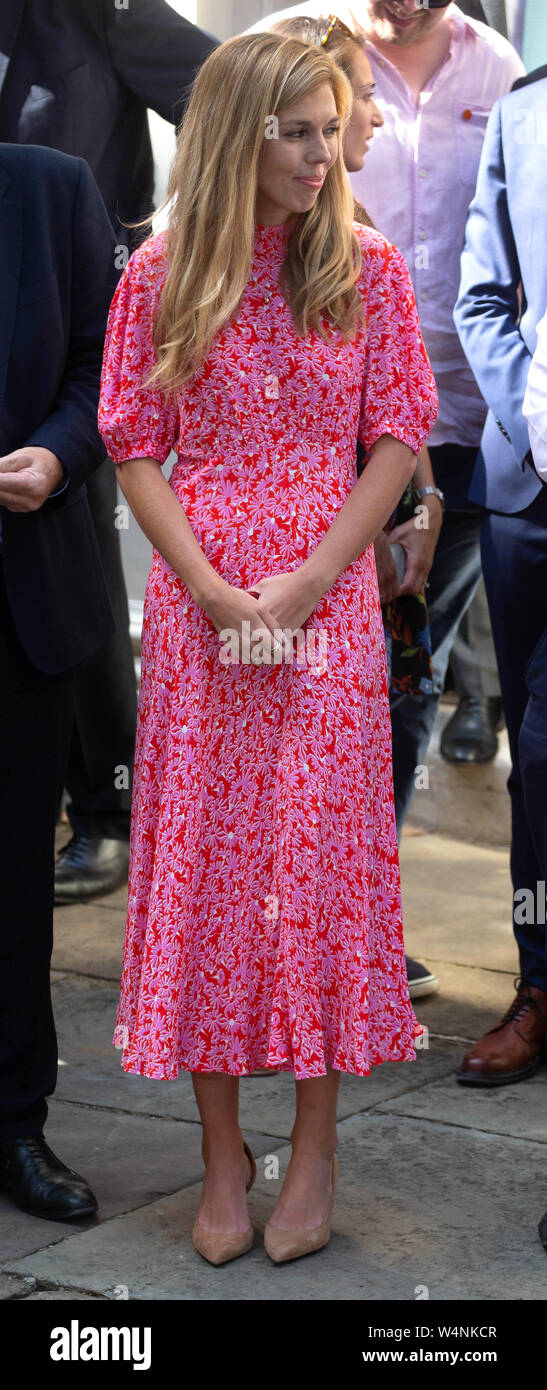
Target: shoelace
pixel 521 1003
pixel 75 848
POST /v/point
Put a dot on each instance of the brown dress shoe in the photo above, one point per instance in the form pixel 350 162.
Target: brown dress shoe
pixel 513 1049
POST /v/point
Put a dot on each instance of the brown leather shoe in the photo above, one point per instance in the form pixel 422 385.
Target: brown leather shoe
pixel 513 1049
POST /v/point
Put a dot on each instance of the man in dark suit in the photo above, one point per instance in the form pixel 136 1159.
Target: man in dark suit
pixel 79 77
pixel 503 296
pixel 56 280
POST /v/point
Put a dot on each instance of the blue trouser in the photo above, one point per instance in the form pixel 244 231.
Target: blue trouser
pixel 452 583
pixel 514 556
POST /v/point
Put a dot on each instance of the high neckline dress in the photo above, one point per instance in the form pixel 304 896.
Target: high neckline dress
pixel 264 920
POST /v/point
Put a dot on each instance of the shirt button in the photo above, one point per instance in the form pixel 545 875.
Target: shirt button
pixel 422 235
pixel 425 296
pixel 467 114
pixel 421 173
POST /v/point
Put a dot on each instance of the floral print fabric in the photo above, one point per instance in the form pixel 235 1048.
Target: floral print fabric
pixel 264 914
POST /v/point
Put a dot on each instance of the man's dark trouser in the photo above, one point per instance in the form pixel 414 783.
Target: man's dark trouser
pixel 514 555
pixel 103 738
pixel 35 720
pixel 452 583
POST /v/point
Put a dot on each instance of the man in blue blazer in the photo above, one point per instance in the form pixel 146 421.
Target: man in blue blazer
pixel 57 276
pixel 503 296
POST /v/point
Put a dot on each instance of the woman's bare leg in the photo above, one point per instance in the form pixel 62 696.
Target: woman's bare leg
pixel 223 1205
pixel 304 1197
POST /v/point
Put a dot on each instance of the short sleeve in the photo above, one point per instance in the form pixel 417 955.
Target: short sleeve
pixel 136 421
pixel 399 395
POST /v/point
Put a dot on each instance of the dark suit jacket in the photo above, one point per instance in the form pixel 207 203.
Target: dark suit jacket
pixel 506 246
pixel 57 277
pixel 78 75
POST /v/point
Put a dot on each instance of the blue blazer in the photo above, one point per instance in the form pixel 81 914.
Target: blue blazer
pixel 57 276
pixel 506 247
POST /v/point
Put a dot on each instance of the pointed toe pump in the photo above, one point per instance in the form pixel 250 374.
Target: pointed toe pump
pixel 290 1245
pixel 218 1247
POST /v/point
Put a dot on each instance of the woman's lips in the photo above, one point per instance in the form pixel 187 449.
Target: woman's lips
pixel 313 183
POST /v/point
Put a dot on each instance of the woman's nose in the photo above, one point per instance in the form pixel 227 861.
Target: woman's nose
pixel 377 118
pixel 319 152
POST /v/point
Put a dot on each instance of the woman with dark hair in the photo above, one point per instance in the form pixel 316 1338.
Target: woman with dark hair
pixel 260 336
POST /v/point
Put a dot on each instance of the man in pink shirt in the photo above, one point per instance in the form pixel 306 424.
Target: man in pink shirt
pixel 437 75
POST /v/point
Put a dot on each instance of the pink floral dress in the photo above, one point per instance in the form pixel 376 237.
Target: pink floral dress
pixel 264 915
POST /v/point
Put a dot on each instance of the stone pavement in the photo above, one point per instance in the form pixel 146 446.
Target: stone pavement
pixel 439 1185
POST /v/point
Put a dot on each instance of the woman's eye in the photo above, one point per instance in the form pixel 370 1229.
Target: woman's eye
pixel 331 130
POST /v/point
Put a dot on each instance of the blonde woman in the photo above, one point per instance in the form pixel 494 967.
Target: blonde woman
pixel 258 336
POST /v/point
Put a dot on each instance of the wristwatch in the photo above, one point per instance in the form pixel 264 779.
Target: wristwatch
pixel 429 492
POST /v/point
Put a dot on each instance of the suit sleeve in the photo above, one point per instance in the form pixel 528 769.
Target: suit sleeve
pixel 487 310
pixel 70 430
pixel 535 402
pixel 135 419
pixel 156 53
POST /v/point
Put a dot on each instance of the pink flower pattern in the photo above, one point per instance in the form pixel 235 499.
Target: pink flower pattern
pixel 264 920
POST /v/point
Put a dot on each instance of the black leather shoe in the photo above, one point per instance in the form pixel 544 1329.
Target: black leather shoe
pixel 471 734
pixel 86 867
pixel 542 1228
pixel 39 1183
pixel 421 981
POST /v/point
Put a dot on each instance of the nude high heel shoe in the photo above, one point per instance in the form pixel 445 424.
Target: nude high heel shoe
pixel 220 1246
pixel 290 1245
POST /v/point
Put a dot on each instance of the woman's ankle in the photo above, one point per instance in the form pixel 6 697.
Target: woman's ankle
pixel 313 1146
pixel 224 1153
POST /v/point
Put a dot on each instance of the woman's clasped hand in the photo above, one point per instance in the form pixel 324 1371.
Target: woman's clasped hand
pixel 274 609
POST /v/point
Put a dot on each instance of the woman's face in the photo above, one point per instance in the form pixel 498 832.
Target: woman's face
pixel 295 159
pixel 365 116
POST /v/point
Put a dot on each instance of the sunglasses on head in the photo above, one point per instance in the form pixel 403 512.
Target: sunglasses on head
pixel 335 23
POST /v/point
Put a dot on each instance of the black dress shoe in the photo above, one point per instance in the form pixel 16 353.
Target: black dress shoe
pixel 40 1184
pixel 86 867
pixel 542 1228
pixel 471 734
pixel 421 981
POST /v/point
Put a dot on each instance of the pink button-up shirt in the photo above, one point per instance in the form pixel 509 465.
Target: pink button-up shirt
pixel 418 180
pixel 417 183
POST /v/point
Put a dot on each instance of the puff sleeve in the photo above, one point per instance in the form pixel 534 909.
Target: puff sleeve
pixel 135 421
pixel 399 395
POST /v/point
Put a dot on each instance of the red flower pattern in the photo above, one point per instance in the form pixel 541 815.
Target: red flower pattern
pixel 264 920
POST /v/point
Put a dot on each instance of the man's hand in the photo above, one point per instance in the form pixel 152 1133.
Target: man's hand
pixel 27 477
pixel 420 547
pixel 388 582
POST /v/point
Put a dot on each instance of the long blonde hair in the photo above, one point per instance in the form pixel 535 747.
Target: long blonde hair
pixel 212 193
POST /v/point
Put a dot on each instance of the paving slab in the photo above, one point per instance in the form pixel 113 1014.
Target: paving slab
pixel 129 1161
pixel 470 803
pixel 456 908
pixel 14 1286
pixel 469 1001
pixel 91 1072
pixel 416 1205
pixel 88 940
pixel 515 1110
